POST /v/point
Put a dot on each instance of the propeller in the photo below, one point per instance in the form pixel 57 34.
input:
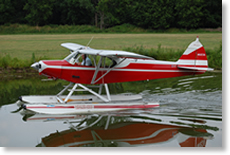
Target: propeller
pixel 26 116
pixel 19 109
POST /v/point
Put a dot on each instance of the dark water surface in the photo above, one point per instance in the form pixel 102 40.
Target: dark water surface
pixel 190 115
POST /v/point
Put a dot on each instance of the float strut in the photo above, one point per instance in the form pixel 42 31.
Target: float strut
pixel 70 93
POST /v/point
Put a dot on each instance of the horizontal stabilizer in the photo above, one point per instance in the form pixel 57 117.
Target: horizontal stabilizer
pixel 196 68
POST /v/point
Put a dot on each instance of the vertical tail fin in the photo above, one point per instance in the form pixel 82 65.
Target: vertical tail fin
pixel 194 57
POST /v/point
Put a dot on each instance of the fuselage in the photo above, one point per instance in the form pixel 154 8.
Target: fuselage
pixel 128 70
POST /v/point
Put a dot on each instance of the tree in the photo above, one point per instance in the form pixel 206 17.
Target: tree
pixel 73 12
pixel 102 9
pixel 119 12
pixel 152 14
pixel 212 14
pixel 189 13
pixel 12 11
pixel 38 11
pixel 95 3
pixel 6 11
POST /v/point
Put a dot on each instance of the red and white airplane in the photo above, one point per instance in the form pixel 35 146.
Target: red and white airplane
pixel 111 66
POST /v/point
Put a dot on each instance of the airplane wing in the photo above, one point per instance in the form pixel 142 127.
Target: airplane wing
pixel 112 53
pixel 73 46
pixel 107 53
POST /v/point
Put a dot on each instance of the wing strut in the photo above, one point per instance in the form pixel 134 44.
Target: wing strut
pixel 94 80
pixel 96 71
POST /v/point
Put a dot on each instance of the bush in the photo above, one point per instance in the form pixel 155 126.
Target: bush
pixel 7 62
pixel 125 28
pixel 215 57
pixel 159 53
pixel 25 29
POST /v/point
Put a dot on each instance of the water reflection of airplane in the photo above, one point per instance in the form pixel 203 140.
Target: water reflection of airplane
pixel 120 129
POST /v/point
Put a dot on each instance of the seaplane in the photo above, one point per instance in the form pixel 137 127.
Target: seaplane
pixel 102 67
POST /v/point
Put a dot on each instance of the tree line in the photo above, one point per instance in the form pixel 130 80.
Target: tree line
pixel 147 14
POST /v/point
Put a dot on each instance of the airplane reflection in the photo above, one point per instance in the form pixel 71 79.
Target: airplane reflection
pixel 121 129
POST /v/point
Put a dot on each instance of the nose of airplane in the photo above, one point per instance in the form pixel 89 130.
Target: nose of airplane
pixel 36 66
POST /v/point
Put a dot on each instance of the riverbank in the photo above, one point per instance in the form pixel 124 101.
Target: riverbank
pixel 17 73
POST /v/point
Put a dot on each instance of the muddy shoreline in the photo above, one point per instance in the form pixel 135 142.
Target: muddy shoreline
pixel 17 73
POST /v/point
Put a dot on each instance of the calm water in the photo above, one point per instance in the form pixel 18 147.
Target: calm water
pixel 190 115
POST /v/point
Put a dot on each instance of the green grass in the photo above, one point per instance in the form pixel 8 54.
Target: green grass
pixel 22 50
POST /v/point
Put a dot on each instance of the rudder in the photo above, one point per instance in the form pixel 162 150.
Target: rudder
pixel 194 57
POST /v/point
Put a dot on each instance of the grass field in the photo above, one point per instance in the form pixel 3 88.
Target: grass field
pixel 22 46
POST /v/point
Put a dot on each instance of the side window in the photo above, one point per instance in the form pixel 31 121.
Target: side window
pixel 79 60
pixel 108 62
pixel 105 61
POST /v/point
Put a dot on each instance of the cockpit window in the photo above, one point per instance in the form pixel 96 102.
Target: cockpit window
pixel 72 55
pixel 75 58
pixel 106 62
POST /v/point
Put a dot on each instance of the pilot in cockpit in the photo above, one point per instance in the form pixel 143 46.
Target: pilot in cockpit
pixel 85 61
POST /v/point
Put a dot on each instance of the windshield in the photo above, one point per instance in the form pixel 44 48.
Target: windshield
pixel 72 55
